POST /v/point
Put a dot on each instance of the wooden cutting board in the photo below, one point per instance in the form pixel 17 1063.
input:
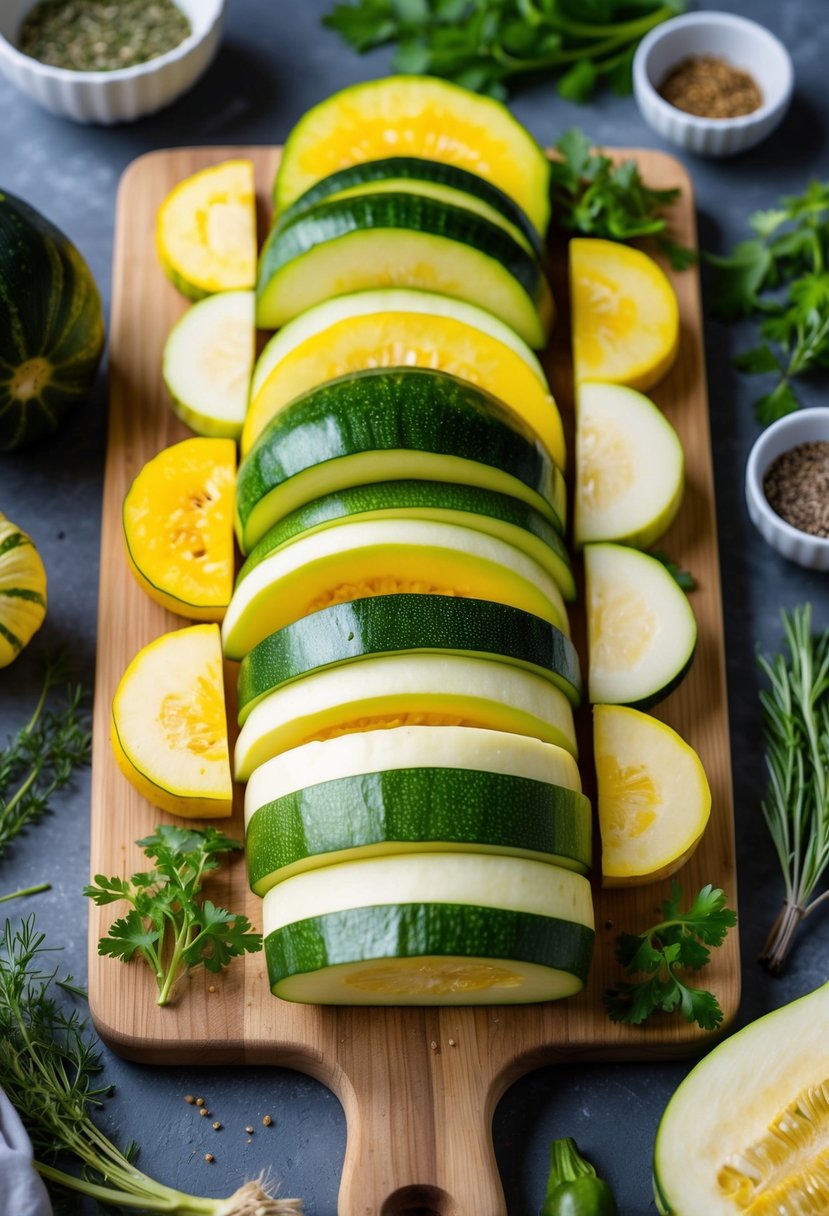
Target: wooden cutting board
pixel 419 1087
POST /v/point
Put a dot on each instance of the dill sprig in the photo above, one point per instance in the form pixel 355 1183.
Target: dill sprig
pixel 795 710
pixel 41 758
pixel 50 1072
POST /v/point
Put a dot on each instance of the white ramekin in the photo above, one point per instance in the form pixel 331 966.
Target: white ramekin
pixel 741 42
pixel 119 96
pixel 803 426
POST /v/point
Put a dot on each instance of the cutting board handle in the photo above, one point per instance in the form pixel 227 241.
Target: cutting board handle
pixel 420 1135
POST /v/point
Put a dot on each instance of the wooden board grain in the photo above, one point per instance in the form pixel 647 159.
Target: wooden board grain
pixel 418 1086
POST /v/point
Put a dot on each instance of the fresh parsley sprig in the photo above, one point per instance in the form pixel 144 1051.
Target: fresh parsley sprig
pixel 169 927
pixel 681 941
pixel 594 196
pixel 49 1068
pixel 781 274
pixel 487 45
pixel 795 709
pixel 42 757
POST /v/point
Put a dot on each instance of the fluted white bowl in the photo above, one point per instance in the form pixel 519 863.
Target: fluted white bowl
pixel 742 43
pixel 124 94
pixel 803 426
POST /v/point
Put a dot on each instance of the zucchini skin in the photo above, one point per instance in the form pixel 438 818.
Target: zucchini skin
pixel 429 806
pixel 411 930
pixel 405 622
pixel 414 168
pixel 412 409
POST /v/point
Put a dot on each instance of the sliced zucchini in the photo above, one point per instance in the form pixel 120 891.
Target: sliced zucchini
pixel 400 328
pixel 208 361
pixel 401 240
pixel 374 751
pixel 384 557
pixel 401 690
pixel 380 425
pixel 432 178
pixel 420 117
pixel 641 628
pixel 406 624
pixel 416 810
pixel 497 515
pixel 630 467
pixel 429 929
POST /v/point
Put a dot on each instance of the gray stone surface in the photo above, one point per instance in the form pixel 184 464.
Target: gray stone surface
pixel 275 61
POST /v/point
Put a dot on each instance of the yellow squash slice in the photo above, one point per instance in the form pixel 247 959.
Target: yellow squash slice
pixel 654 799
pixel 403 329
pixel 22 591
pixel 178 527
pixel 625 314
pixel 169 727
pixel 206 231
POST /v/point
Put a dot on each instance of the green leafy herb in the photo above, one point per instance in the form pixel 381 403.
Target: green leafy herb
pixel 681 941
pixel 49 1069
pixel 683 578
pixel 168 926
pixel 596 197
pixel 41 758
pixel 488 44
pixel 781 275
pixel 23 891
pixel 795 709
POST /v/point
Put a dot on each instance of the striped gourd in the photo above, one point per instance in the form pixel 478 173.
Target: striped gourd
pixel 22 591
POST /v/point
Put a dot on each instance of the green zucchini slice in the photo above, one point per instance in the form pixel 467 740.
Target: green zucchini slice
pixel 429 929
pixel 407 624
pixel 380 425
pixel 401 240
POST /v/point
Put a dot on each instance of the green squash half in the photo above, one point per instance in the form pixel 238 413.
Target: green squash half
pixel 51 325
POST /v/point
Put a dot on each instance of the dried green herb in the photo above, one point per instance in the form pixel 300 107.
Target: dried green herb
pixel 101 35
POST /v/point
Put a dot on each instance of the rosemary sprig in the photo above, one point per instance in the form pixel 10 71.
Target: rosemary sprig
pixel 49 1070
pixel 41 758
pixel 795 710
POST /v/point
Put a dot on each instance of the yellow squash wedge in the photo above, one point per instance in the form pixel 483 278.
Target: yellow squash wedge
pixel 22 591
pixel 400 328
pixel 625 314
pixel 169 727
pixel 653 796
pixel 206 231
pixel 178 527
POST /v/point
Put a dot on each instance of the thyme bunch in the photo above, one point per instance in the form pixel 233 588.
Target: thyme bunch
pixel 50 1071
pixel 795 710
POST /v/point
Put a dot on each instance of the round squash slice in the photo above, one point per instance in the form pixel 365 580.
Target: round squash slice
pixel 400 328
pixel 178 527
pixel 169 728
pixel 625 314
pixel 654 800
pixel 22 591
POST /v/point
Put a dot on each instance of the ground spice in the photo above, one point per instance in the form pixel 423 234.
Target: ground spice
pixel 796 486
pixel 101 35
pixel 710 87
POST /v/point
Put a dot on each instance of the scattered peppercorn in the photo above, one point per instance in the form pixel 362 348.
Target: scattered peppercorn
pixel 209 1158
pixel 190 1099
pixel 796 486
pixel 267 1121
pixel 205 1112
pixel 217 1127
pixel 249 1131
pixel 711 87
pixel 199 1101
pixel 101 35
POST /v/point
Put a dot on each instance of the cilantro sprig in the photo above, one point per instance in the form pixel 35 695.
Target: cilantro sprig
pixel 681 941
pixel 781 274
pixel 486 45
pixel 168 926
pixel 597 197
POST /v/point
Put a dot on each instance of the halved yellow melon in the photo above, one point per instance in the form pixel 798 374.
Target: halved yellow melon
pixel 403 329
pixel 206 231
pixel 625 314
pixel 169 727
pixel 653 796
pixel 416 116
pixel 178 527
